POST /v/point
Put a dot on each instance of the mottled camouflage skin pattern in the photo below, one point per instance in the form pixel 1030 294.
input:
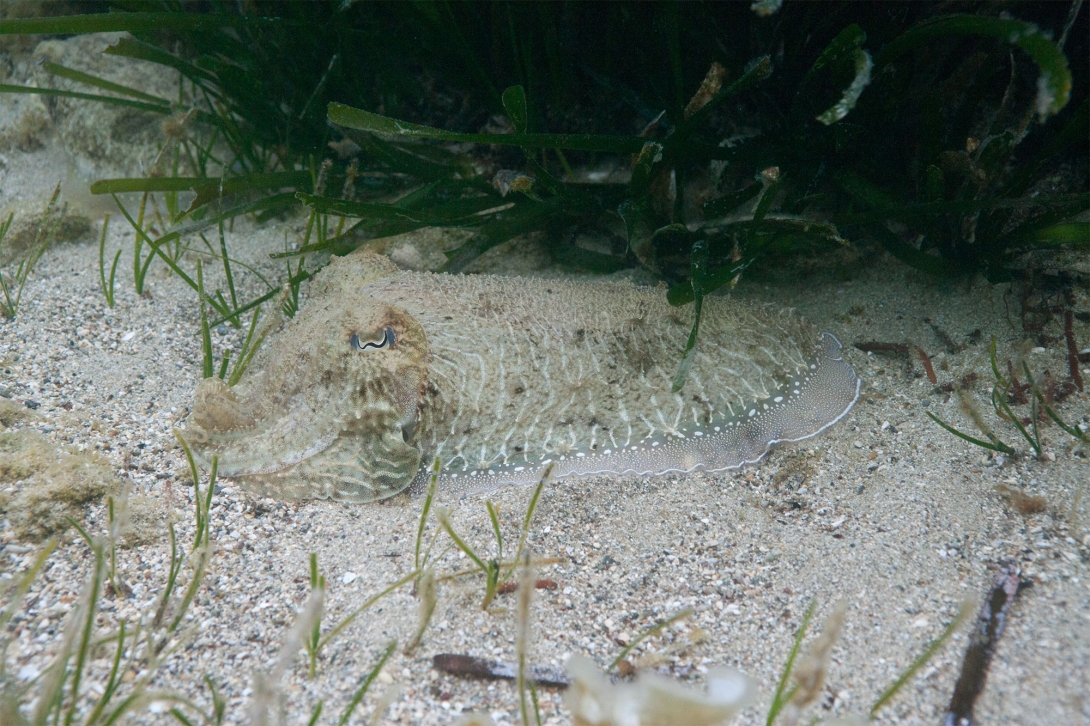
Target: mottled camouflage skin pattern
pixel 500 376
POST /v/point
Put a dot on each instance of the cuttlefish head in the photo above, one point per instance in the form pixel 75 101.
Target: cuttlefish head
pixel 333 412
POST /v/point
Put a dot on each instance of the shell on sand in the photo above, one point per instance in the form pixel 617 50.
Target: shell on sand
pixel 384 370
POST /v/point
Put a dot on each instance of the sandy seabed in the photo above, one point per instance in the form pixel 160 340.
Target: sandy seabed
pixel 885 511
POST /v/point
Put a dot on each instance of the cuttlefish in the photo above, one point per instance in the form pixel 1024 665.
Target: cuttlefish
pixel 383 371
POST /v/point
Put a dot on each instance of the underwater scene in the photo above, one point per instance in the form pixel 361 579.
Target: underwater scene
pixel 494 363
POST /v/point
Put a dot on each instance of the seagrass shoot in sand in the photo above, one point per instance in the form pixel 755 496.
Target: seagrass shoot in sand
pixel 385 370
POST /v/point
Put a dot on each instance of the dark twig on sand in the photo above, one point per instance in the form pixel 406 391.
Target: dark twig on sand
pixel 509 587
pixel 982 643
pixel 1072 348
pixel 876 347
pixel 965 382
pixel 951 345
pixel 926 360
pixel 467 665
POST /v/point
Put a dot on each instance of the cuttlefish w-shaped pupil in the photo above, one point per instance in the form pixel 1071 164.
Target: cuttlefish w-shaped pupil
pixel 388 339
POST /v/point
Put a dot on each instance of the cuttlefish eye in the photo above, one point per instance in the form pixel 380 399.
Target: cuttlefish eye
pixel 388 339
